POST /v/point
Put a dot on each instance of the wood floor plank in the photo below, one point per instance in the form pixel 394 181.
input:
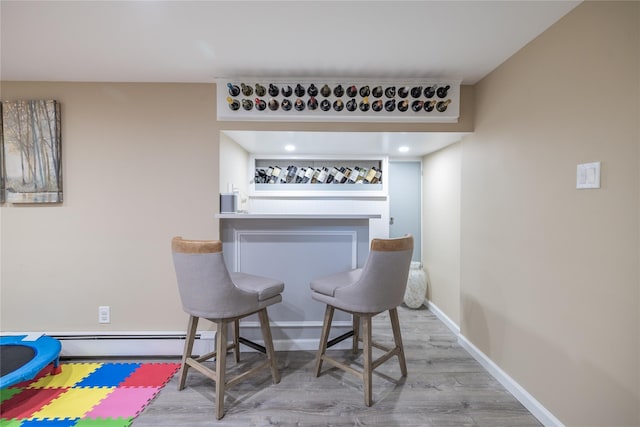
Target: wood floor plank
pixel 445 387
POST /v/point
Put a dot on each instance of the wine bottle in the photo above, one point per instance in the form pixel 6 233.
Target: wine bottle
pixel 338 91
pixel 429 106
pixel 346 172
pixel 417 105
pixel 273 90
pixel 300 175
pixel 233 103
pixel 246 90
pixel 260 104
pixel 416 91
pixel 403 105
pixel 403 92
pixel 308 174
pixel 390 105
pixel 292 172
pixel 247 104
pixel 287 91
pixel 269 172
pixel 442 105
pixel 361 174
pixel 234 90
pixel 322 176
pixel 378 177
pixel 262 174
pixel 429 91
pixel 273 104
pixel 339 177
pixel 442 91
pixel 313 90
pixel 369 176
pixel 286 105
pixel 275 175
pixel 364 91
pixel 299 90
pixel 314 178
pixel 390 92
pixel 325 105
pixel 352 91
pixel 332 175
pixel 312 103
pixel 364 104
pixel 353 176
pixel 282 178
pixel 338 105
pixel 376 91
pixel 325 91
pixel 352 105
pixel 377 105
pixel 260 90
pixel 299 104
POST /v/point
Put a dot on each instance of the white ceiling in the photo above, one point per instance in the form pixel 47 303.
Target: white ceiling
pixel 199 41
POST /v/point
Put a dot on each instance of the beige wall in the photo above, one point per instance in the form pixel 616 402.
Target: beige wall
pixel 140 165
pixel 441 228
pixel 234 169
pixel 549 274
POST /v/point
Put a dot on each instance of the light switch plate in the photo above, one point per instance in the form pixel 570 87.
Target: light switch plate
pixel 588 175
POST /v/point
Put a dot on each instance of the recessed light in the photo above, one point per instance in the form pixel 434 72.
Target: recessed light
pixel 403 149
pixel 289 147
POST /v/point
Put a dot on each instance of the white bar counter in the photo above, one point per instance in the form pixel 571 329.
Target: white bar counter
pixel 295 248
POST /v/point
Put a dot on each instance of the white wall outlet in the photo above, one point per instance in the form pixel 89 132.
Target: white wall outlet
pixel 588 175
pixel 104 314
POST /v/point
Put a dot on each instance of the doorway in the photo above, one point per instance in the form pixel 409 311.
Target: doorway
pixel 405 202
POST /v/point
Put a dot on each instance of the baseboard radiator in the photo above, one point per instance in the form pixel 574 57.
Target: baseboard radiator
pixel 131 344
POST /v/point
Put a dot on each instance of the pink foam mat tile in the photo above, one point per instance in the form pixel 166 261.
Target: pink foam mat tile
pixel 123 402
pixel 151 375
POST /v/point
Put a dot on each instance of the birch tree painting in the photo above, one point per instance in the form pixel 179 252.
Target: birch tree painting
pixel 32 152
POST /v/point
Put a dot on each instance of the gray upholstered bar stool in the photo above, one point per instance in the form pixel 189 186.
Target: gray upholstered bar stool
pixel 209 290
pixel 377 287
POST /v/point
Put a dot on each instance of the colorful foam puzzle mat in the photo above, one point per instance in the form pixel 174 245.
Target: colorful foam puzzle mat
pixel 84 395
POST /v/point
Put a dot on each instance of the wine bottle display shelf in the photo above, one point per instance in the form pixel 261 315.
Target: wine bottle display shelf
pixel 338 175
pixel 324 100
pixel 315 177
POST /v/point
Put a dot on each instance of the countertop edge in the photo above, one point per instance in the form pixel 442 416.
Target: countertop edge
pixel 295 216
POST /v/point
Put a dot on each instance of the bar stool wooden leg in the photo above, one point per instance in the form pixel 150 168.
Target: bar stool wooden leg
pixel 397 338
pixel 367 371
pixel 268 344
pixel 326 327
pixel 356 333
pixel 236 337
pixel 221 359
pixel 188 348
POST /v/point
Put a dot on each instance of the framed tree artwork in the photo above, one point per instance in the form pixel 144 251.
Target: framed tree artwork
pixel 31 151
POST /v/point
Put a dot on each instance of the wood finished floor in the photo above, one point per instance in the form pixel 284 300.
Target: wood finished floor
pixel 445 386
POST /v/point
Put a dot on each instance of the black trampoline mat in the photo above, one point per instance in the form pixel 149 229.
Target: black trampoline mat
pixel 13 357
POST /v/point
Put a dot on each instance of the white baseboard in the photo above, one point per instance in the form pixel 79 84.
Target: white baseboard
pixel 287 336
pixel 528 401
pixel 453 326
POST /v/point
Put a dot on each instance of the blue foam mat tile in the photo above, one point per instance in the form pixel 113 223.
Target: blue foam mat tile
pixel 109 375
pixel 63 422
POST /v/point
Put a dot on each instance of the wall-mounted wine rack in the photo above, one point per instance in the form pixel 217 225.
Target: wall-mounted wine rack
pixel 274 99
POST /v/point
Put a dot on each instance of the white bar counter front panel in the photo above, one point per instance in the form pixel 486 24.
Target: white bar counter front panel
pixel 295 249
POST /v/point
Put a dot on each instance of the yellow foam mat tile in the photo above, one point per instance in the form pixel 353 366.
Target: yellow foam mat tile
pixel 74 403
pixel 70 375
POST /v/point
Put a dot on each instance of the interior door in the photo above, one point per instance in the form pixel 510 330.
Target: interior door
pixel 405 202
